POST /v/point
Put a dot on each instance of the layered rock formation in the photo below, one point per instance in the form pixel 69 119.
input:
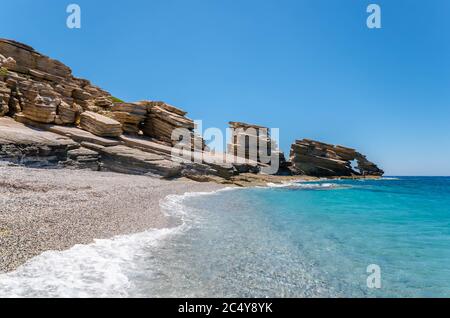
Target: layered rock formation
pixel 78 125
pixel 43 88
pixel 163 119
pixel 100 125
pixel 83 158
pixel 319 159
pixel 124 159
pixel 130 115
pixel 247 141
pixel 253 142
pixel 47 145
pixel 30 147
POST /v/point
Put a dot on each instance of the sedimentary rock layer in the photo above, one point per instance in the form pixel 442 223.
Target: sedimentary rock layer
pixel 41 92
pixel 130 115
pixel 254 142
pixel 100 125
pixel 83 158
pixel 43 88
pixel 319 159
pixel 30 147
pixel 129 160
pixel 163 119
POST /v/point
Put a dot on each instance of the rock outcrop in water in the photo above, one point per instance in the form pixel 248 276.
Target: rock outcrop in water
pixel 319 159
pixel 67 121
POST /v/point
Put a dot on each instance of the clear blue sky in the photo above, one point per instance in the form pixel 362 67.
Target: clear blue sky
pixel 311 68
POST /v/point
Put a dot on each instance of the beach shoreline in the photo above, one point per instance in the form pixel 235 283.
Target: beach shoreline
pixel 55 209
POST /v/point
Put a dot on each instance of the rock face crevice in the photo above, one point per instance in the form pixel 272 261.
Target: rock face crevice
pixel 69 122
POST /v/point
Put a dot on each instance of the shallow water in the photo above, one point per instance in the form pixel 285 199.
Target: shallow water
pixel 300 240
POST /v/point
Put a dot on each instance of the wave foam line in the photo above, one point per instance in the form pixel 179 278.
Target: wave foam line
pixel 101 269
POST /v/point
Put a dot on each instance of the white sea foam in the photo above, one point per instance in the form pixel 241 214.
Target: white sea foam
pixel 318 186
pixel 280 185
pixel 95 270
pixel 105 268
pixel 307 186
pixel 100 269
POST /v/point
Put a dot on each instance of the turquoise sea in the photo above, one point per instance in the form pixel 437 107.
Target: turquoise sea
pixel 300 240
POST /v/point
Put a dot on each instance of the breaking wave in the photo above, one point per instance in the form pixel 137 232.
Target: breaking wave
pixel 308 186
pixel 100 269
pixel 96 270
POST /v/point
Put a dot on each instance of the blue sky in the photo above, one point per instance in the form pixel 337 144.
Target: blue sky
pixel 311 68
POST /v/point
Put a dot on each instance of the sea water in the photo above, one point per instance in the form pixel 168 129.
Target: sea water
pixel 298 240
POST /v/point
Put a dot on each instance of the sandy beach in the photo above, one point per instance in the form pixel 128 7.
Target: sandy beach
pixel 43 209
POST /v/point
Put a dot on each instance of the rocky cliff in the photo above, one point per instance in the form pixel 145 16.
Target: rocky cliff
pixel 67 121
pixel 44 89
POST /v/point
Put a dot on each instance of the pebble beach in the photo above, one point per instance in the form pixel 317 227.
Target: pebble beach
pixel 55 209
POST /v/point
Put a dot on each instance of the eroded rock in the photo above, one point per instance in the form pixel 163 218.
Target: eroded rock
pixel 163 119
pixel 100 125
pixel 128 160
pixel 22 145
pixel 254 143
pixel 130 115
pixel 43 88
pixel 313 158
pixel 42 93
